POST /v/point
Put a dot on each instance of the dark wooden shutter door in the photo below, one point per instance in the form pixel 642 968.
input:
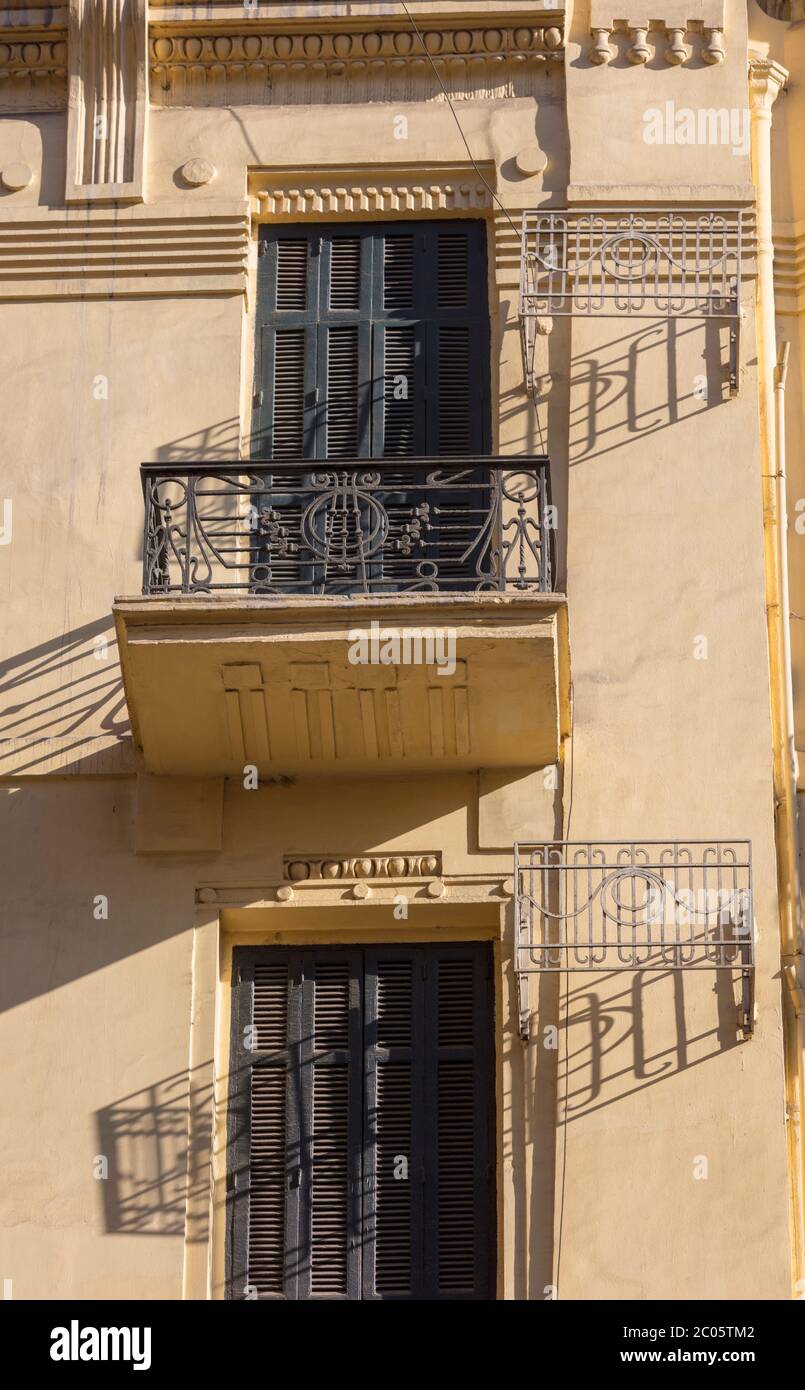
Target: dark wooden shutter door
pixel 373 340
pixel 428 1035
pixel 362 1124
pixel 394 1159
pixel 296 1124
pixel 460 1130
pixel 263 1137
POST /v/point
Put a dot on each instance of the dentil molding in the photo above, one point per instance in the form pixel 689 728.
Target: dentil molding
pixel 371 190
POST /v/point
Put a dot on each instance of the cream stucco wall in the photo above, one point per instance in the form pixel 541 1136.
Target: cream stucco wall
pixel 114 1030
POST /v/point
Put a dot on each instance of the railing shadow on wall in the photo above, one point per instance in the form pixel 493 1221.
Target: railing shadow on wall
pixel 217 442
pixel 156 1145
pixel 603 1055
pixel 600 1023
pixel 59 698
pixel 614 401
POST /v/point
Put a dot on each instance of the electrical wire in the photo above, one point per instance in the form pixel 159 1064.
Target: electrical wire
pixel 493 195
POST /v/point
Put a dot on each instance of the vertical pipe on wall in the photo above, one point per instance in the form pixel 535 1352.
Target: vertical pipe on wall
pixel 766 80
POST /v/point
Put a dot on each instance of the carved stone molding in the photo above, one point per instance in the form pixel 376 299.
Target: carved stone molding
pixel 298 869
pixel 310 719
pixel 371 191
pixel 108 100
pixel 639 43
pixel 33 73
pixel 686 30
pixel 378 64
pixel 766 80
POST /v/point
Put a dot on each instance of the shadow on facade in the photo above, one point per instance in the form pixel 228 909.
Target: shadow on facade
pixel 61 697
pixel 218 443
pixel 626 389
pixel 612 1047
pixel 156 1144
pixel 612 1041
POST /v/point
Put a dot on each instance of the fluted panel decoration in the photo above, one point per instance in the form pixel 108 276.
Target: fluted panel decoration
pixel 107 102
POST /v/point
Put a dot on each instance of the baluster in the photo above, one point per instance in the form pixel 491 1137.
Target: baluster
pixel 639 51
pixel 714 51
pixel 602 51
pixel 676 51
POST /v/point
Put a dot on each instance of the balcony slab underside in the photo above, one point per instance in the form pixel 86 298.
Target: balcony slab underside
pixel 293 686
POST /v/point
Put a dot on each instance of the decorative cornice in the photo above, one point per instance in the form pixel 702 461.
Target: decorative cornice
pixel 372 191
pixel 33 73
pixel 688 42
pixel 384 62
pixel 223 61
pixel 299 869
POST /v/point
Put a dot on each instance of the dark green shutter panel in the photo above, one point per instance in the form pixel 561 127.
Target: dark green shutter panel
pixel 332 1117
pixel 292 273
pixel 394 1171
pixel 341 400
pixel 398 270
pixel 400 400
pixel 289 393
pixel 361 1124
pixel 429 1102
pixel 295 1124
pixel 455 385
pixel 373 340
pixel 345 272
pixel 463 1157
pixel 268 1134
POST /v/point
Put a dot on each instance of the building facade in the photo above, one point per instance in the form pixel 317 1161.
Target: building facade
pixel 402 665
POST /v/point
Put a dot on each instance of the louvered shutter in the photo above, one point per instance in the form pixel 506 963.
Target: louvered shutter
pixel 428 1145
pixel 394 1159
pixel 459 1124
pixel 263 1140
pixel 373 340
pixel 361 1124
pixel 295 1125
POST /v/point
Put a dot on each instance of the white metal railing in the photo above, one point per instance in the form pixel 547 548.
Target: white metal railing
pixel 628 905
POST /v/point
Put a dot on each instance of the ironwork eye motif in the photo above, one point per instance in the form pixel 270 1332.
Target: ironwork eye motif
pixel 520 486
pixel 628 256
pixel 646 891
pixel 345 524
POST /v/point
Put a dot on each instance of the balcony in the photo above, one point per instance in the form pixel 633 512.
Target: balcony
pixel 656 906
pixel 660 264
pixel 339 618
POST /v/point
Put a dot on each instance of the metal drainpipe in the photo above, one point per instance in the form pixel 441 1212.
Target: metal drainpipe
pixel 792 963
pixel 766 80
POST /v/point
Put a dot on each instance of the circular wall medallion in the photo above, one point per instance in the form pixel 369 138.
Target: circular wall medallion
pixel 197 172
pixel 531 160
pixel 16 176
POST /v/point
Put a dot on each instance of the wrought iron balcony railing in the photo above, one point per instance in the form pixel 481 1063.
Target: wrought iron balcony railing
pixel 611 906
pixel 357 526
pixel 652 263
